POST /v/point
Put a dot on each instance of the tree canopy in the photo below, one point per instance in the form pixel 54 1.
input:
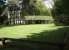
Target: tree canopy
pixel 37 7
pixel 61 11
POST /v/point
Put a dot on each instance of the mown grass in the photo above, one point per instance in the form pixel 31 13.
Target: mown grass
pixel 37 32
pixel 21 31
pixel 42 32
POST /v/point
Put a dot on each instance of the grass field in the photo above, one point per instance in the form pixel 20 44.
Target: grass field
pixel 21 31
pixel 37 31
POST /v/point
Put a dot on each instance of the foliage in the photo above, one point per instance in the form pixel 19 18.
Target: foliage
pixel 35 7
pixel 42 8
pixel 2 7
pixel 4 17
pixel 61 12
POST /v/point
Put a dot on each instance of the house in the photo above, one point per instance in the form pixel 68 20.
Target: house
pixel 14 14
pixel 12 10
pixel 38 19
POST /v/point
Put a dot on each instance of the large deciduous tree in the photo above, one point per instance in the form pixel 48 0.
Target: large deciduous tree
pixel 34 7
pixel 61 11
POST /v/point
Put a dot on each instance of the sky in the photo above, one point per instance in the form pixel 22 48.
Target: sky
pixel 49 3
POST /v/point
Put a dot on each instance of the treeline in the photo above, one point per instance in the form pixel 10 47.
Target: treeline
pixel 34 7
pixel 60 12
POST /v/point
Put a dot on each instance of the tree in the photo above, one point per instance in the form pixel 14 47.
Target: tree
pixel 34 7
pixel 2 7
pixel 61 11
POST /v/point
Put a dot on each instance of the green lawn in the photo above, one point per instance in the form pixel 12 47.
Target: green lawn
pixel 21 31
pixel 48 32
pixel 38 32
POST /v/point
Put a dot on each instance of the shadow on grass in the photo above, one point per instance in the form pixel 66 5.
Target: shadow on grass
pixel 25 44
pixel 50 36
pixel 59 37
pixel 46 40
